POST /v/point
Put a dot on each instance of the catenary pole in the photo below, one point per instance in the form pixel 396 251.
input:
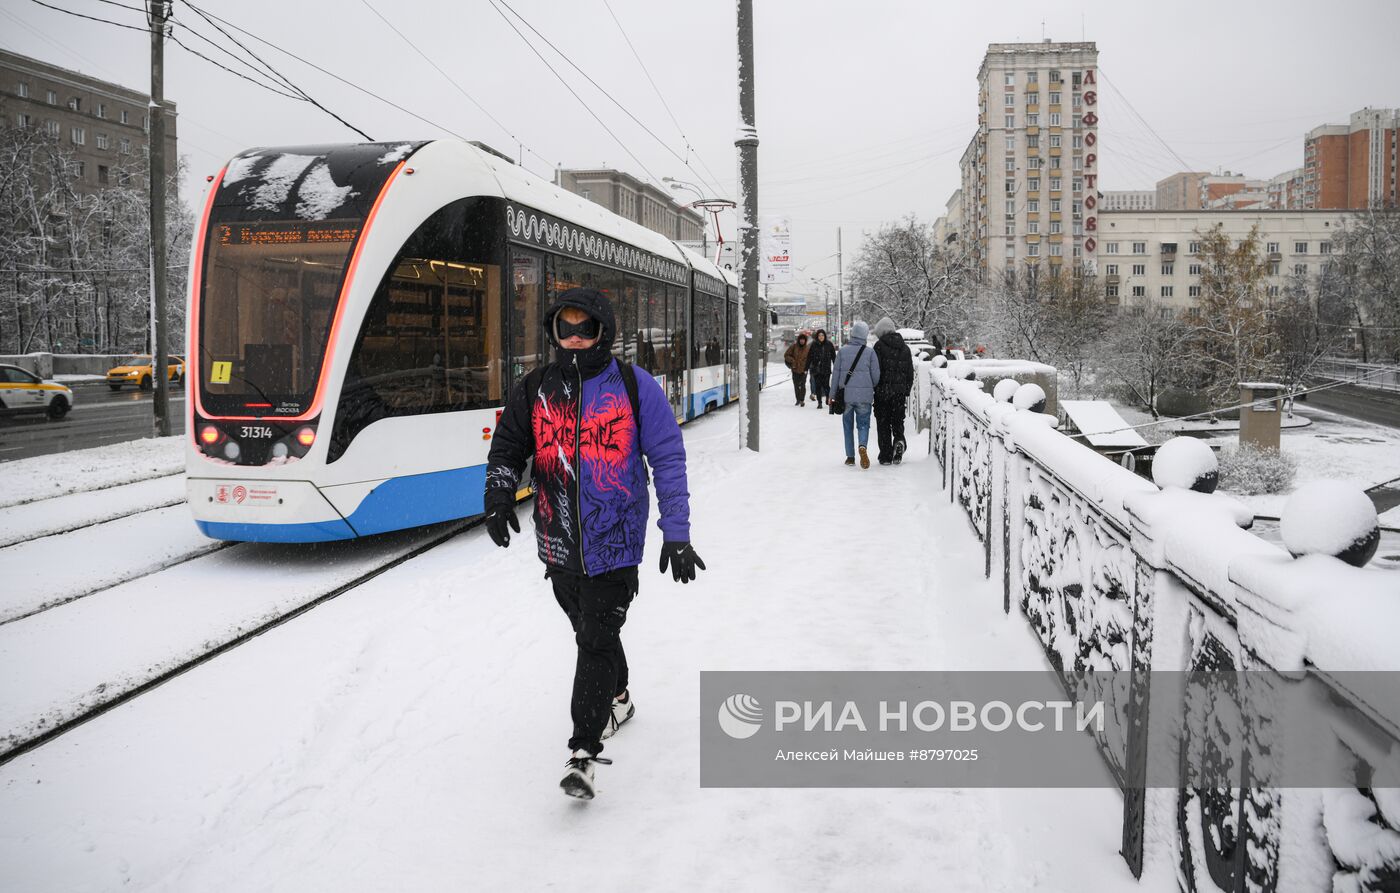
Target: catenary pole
pixel 840 289
pixel 159 368
pixel 750 345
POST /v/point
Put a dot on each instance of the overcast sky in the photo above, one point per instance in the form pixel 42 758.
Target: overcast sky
pixel 863 107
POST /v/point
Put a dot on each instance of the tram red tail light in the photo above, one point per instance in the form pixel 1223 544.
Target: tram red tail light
pixel 210 435
pixel 306 436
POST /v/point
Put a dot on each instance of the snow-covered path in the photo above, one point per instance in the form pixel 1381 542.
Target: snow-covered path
pixel 410 734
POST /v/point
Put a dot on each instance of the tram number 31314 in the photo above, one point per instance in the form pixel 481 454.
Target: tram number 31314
pixel 255 431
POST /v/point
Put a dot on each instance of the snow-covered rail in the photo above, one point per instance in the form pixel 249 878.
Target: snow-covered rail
pixel 81 659
pixel 1113 573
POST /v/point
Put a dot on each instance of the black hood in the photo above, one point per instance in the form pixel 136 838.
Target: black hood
pixel 826 338
pixel 891 339
pixel 591 360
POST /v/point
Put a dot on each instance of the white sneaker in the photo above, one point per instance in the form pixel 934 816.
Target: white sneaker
pixel 578 777
pixel 621 712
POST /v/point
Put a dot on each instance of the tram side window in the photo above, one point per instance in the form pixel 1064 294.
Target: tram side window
pixel 528 346
pixel 651 325
pixel 431 339
pixel 732 344
pixel 709 331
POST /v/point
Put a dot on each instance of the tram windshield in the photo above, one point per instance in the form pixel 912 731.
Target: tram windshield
pixel 270 294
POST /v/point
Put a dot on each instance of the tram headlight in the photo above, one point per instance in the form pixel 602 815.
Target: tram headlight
pixel 280 450
pixel 209 435
pixel 232 451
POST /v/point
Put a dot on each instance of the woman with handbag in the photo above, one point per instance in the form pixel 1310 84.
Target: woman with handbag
pixel 854 378
pixel 819 360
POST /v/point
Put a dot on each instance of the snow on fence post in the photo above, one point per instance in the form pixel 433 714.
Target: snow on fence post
pixel 1114 574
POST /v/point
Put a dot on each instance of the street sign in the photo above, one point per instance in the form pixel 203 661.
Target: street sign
pixel 775 250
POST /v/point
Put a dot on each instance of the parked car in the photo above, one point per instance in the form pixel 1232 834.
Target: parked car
pixel 23 391
pixel 137 371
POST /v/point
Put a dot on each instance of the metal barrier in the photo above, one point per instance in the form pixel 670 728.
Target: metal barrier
pixel 1114 574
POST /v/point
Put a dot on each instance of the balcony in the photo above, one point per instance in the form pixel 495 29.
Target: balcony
pixel 1112 279
pixel 1169 249
pixel 1275 257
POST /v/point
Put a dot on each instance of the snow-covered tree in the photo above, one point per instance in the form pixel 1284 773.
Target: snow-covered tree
pixel 904 273
pixel 1367 276
pixel 1231 342
pixel 1145 350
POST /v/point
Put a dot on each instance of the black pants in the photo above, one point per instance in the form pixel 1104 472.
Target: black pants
pixel 597 608
pixel 821 385
pixel 889 426
pixel 799 384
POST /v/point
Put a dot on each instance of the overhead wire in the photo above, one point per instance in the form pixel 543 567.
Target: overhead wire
pixel 90 18
pixel 664 104
pixel 655 180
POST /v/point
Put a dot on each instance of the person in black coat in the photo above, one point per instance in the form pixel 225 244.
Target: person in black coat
pixel 896 380
pixel 820 358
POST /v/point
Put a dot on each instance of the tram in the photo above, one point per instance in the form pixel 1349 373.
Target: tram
pixel 358 315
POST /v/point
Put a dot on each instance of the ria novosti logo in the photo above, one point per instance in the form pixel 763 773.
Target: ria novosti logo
pixel 741 716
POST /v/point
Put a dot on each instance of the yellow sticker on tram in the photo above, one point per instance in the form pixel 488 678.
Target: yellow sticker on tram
pixel 221 373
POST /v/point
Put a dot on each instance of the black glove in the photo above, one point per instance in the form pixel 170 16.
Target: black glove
pixel 683 561
pixel 497 519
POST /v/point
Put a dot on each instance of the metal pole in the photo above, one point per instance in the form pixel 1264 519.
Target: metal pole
pixel 750 346
pixel 160 365
pixel 840 288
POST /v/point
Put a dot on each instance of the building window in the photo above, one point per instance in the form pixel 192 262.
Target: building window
pixel 79 136
pixel 1111 291
pixel 75 104
pixel 1033 227
pixel 1054 206
pixel 52 128
pixel 102 110
pixel 1273 291
pixel 1010 252
pixel 1139 291
pixel 1193 247
pixel 23 120
pixel 125 146
pixel 1010 121
pixel 1139 248
pixel 1112 269
pixel 1033 206
pixel 1033 142
pixel 1079 162
pixel 102 174
pixel 1054 141
pixel 1195 270
pixel 1075 121
pixel 1271 248
pixel 100 140
pixel 1300 269
pixel 1033 184
pixel 1033 250
pixel 1300 247
pixel 1032 99
pixel 1193 291
pixel 1055 184
pixel 1055 226
pixel 1032 120
pixel 1168 269
pixel 1110 248
pixel 1011 164
pixel 1010 101
pixel 1032 77
pixel 1011 79
pixel 1011 143
pixel 1324 247
pixel 124 118
pixel 1010 227
pixel 22 90
pixel 52 98
pixel 1166 291
pixel 1273 268
pixel 1078 185
pixel 1054 97
pixel 1010 187
pixel 1078 101
pixel 1011 206
pixel 80 169
pixel 1139 269
pixel 1056 250
pixel 1034 164
pixel 1054 119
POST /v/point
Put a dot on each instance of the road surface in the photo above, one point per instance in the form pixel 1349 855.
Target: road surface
pixel 99 417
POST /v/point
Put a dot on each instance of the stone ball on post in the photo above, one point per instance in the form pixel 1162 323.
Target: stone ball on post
pixel 1331 518
pixel 1187 463
pixel 1029 396
pixel 939 361
pixel 1005 390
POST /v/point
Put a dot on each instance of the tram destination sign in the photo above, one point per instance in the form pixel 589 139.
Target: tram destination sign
pixel 286 233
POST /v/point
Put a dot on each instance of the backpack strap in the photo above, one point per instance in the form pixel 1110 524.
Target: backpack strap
pixel 629 381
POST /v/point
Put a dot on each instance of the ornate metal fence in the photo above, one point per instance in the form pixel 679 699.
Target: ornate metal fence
pixel 1114 574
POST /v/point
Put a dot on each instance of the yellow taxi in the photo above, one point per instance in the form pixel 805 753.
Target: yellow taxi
pixel 23 391
pixel 137 371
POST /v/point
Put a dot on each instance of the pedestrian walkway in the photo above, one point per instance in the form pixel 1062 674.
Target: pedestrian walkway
pixel 410 735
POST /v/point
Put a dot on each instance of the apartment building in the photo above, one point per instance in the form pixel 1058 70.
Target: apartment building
pixel 104 126
pixel 1153 254
pixel 1128 200
pixel 1030 174
pixel 1285 191
pixel 635 199
pixel 1180 192
pixel 1353 165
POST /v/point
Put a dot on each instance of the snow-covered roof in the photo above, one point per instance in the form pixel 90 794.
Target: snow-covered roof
pixel 1101 424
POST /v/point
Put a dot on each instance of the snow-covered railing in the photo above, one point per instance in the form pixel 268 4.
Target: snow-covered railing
pixel 1115 574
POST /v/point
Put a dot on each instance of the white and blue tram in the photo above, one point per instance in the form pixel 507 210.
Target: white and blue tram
pixel 359 313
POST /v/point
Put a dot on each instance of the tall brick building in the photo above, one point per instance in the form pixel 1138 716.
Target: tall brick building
pixel 1353 165
pixel 104 125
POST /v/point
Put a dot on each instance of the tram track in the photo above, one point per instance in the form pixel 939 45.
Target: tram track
pixel 111 694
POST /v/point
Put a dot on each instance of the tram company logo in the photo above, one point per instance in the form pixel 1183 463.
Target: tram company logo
pixel 240 493
pixel 741 716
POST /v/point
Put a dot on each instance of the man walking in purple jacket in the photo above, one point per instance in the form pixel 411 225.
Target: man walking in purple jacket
pixel 587 420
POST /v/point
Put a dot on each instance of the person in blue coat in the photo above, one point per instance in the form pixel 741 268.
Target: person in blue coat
pixel 587 421
pixel 854 377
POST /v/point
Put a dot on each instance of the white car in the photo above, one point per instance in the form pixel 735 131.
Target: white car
pixel 23 391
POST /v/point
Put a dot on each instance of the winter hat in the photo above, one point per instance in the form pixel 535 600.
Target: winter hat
pixel 860 331
pixel 884 327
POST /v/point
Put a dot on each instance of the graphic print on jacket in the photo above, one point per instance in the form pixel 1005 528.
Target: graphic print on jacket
pixel 553 421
